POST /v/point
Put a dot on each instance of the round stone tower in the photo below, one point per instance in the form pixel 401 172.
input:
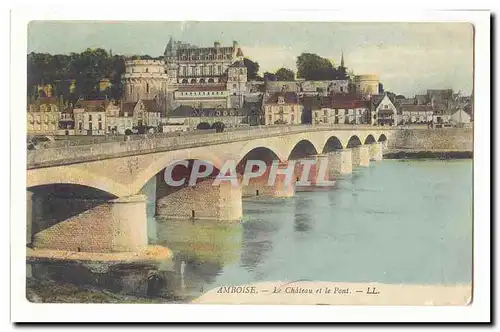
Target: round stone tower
pixel 144 79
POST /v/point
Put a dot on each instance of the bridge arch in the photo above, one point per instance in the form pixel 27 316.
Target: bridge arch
pixel 74 176
pixel 302 149
pixel 332 144
pixel 382 138
pixel 258 153
pixel 167 159
pixel 353 142
pixel 370 139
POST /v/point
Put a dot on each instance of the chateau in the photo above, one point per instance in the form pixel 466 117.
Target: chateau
pixel 201 77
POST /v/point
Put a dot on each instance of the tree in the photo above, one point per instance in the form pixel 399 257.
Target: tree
pixel 252 69
pixel 218 126
pixel 128 132
pixel 269 76
pixel 203 126
pixel 285 74
pixel 313 67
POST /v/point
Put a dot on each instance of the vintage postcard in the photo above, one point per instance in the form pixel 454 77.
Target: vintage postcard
pixel 240 162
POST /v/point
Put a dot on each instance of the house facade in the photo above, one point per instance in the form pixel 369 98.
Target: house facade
pixel 411 114
pixel 384 111
pixel 43 116
pixel 283 108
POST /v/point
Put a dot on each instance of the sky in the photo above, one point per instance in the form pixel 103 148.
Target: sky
pixel 408 57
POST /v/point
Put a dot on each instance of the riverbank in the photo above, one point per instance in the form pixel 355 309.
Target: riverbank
pixel 44 291
pixel 149 254
pixel 427 154
pixel 342 293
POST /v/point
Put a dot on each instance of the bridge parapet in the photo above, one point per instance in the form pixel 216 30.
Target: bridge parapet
pixel 81 153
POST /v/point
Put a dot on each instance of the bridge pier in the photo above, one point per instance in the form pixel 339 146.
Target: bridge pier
pixel 361 156
pixel 202 201
pixel 89 225
pixel 29 215
pixel 340 161
pixel 259 187
pixel 376 151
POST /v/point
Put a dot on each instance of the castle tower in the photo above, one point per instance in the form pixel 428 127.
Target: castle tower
pixel 144 79
pixel 171 64
pixel 237 80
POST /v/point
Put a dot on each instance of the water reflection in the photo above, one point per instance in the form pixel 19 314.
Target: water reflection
pixel 373 217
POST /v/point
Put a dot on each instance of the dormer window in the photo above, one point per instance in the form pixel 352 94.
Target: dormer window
pixel 281 100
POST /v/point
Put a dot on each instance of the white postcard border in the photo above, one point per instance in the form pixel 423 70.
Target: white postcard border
pixel 24 311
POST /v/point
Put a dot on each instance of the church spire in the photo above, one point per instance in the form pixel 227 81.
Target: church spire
pixel 342 60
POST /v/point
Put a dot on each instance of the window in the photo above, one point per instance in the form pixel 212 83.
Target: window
pixel 147 87
pixel 184 71
pixel 241 71
pixel 341 89
pixel 281 109
pixel 210 70
pixel 386 106
pixel 336 112
pixel 99 125
pixel 147 70
pixel 270 118
pixel 90 117
pixel 219 69
pixel 99 117
pixel 293 118
pixel 325 112
pixel 80 126
pixel 234 86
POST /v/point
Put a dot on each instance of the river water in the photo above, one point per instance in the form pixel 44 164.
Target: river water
pixel 397 221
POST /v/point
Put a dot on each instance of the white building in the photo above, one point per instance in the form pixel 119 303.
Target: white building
pixel 90 116
pixel 283 108
pixel 460 117
pixel 416 114
pixel 384 111
pixel 341 110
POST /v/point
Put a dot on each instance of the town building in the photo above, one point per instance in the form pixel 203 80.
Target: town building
pixel 460 118
pixel 67 121
pixel 43 116
pixel 145 113
pixel 283 108
pixel 90 117
pixel 190 118
pixel 411 114
pixel 383 111
pixel 340 109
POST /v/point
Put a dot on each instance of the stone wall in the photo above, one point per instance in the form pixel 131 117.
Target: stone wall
pixel 454 139
pixel 203 201
pixel 90 225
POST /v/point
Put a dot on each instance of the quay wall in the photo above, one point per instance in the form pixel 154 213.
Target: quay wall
pixel 442 139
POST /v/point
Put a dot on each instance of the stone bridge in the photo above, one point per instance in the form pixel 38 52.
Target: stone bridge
pixel 91 197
